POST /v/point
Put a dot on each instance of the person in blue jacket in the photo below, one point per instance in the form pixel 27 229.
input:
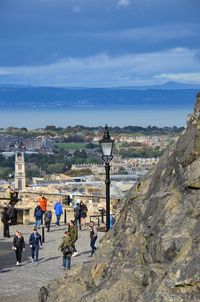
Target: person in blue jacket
pixel 112 220
pixel 35 241
pixel 58 211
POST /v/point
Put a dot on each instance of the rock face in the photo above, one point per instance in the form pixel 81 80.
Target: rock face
pixel 153 251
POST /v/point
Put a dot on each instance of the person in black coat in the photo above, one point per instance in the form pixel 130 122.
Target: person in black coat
pixel 35 241
pixel 47 219
pixel 5 220
pixel 12 215
pixel 18 246
pixel 83 213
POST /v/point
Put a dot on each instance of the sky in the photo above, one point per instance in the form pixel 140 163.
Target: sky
pixel 99 43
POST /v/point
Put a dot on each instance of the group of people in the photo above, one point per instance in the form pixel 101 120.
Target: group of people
pixel 67 245
pixel 35 241
pixel 80 214
pixel 43 215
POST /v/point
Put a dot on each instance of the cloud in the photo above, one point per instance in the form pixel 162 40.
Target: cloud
pixel 187 77
pixel 124 3
pixel 151 34
pixel 105 71
pixel 76 9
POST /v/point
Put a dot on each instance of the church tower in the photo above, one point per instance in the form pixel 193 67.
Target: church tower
pixel 20 176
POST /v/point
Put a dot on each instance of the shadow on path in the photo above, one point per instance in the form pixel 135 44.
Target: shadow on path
pixel 49 259
pixel 56 229
pixel 7 255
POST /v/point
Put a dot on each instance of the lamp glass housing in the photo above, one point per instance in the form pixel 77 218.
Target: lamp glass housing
pixel 106 147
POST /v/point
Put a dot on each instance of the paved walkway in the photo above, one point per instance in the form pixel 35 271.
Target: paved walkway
pixel 22 283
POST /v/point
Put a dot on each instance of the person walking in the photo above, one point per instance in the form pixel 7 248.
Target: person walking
pixel 93 237
pixel 58 211
pixel 73 232
pixel 18 246
pixel 77 217
pixel 5 220
pixel 35 241
pixel 66 249
pixel 47 219
pixel 43 205
pixel 38 216
pixel 83 213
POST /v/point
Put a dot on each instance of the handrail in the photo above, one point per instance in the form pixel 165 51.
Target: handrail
pixel 98 217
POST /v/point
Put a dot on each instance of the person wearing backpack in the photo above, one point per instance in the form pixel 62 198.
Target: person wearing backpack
pixel 77 217
pixel 47 219
pixel 38 216
pixel 58 211
pixel 66 249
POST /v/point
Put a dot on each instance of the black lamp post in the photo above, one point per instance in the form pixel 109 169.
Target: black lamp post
pixel 106 145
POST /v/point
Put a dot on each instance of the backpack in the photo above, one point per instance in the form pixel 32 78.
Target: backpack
pixel 49 214
pixel 77 212
pixel 67 250
pixel 38 212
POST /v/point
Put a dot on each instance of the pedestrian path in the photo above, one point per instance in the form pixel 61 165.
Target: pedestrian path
pixel 22 283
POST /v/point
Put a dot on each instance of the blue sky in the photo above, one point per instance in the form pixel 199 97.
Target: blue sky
pixel 99 43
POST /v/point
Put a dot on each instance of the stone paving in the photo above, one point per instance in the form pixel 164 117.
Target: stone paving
pixel 22 283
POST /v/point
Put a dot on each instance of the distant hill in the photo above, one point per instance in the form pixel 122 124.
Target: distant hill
pixel 97 98
pixel 168 85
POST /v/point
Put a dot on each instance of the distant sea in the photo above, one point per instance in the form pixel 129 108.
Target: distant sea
pixel 160 116
pixel 37 107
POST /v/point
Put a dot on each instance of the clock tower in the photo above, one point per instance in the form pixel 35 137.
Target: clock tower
pixel 20 175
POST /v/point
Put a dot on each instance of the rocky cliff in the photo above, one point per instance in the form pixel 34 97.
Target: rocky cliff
pixel 153 251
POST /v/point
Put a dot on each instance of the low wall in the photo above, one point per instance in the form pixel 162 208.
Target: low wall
pixel 30 199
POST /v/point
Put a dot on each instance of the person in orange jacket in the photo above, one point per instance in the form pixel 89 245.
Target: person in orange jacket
pixel 43 205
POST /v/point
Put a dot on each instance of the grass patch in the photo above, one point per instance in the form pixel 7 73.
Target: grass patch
pixel 71 146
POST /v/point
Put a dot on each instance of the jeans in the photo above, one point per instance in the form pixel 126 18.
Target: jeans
pixel 77 221
pixel 18 253
pixel 58 219
pixel 67 261
pixel 35 252
pixel 42 217
pixel 92 245
pixel 37 222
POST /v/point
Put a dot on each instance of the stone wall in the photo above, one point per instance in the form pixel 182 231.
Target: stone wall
pixel 30 199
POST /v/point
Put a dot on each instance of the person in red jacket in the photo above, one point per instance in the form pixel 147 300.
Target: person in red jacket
pixel 43 205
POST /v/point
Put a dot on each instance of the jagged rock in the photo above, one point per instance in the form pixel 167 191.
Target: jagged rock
pixel 153 251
